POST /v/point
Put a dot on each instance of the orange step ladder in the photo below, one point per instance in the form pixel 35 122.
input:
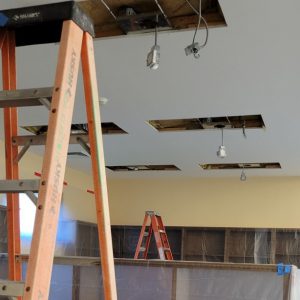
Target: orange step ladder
pixel 66 23
pixel 157 228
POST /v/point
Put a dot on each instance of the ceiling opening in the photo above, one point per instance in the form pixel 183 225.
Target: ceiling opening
pixel 135 168
pixel 77 153
pixel 227 122
pixel 107 128
pixel 119 17
pixel 232 166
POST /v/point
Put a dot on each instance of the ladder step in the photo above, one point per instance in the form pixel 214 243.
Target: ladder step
pixel 11 288
pixel 142 249
pixel 25 97
pixel 19 186
pixel 161 231
pixel 167 249
pixel 146 234
pixel 36 140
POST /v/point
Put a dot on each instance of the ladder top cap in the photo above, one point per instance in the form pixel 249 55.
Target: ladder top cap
pixel 42 24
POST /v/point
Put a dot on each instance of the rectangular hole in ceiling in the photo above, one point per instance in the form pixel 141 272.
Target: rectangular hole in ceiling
pixel 107 128
pixel 233 166
pixel 135 168
pixel 80 154
pixel 137 16
pixel 227 122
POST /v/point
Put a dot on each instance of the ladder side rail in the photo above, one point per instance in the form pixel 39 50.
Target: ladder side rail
pixel 141 237
pixel 155 226
pixel 148 240
pixel 7 41
pixel 165 240
pixel 98 167
pixel 45 228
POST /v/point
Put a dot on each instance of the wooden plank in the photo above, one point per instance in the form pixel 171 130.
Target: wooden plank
pixel 226 245
pixel 76 283
pixel 98 167
pixel 11 151
pixel 286 287
pixel 46 221
pixel 182 246
pixel 174 284
pixel 95 261
pixel 273 247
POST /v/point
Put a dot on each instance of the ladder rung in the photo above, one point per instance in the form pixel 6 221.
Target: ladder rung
pixel 36 140
pixel 167 249
pixel 19 186
pixel 11 288
pixel 26 97
pixel 146 234
pixel 161 231
pixel 142 249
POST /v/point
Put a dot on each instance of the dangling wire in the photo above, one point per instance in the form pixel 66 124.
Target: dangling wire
pixel 244 130
pixel 156 33
pixel 243 174
pixel 222 136
pixel 199 13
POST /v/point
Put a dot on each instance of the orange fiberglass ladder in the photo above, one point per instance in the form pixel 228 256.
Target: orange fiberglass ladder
pixel 157 228
pixel 65 23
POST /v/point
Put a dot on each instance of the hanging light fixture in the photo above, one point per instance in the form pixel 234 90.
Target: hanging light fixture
pixel 194 48
pixel 154 54
pixel 222 150
pixel 243 175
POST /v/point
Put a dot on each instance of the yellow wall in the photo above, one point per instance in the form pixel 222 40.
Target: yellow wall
pixel 258 202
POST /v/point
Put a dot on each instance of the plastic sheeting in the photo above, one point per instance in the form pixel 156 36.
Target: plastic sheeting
pixel 261 247
pixel 176 282
pixel 294 292
pixel 194 284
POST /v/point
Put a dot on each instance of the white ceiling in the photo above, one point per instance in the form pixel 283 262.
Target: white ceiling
pixel 250 67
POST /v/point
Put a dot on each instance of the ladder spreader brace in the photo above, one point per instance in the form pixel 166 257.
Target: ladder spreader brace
pixel 64 22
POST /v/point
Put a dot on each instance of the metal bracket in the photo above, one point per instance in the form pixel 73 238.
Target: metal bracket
pixel 31 195
pixel 45 102
pixel 11 289
pixel 26 97
pixel 23 151
pixel 19 186
pixel 38 140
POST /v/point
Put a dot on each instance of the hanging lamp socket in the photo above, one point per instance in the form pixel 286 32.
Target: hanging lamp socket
pixel 243 176
pixel 153 58
pixel 221 152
